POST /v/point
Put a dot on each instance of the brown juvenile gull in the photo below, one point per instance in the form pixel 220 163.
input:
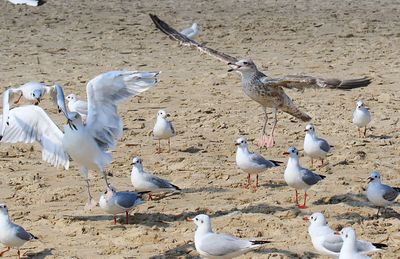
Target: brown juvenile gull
pixel 265 90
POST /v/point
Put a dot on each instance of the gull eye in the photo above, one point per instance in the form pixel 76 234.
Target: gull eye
pixel 5 206
pixel 196 219
pixel 245 63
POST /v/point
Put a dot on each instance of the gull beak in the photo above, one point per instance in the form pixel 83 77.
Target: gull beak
pixel 237 144
pixel 370 179
pixel 37 101
pixel 337 233
pixel 189 219
pixel 306 218
pixel 133 163
pixel 233 66
pixel 305 130
pixel 285 153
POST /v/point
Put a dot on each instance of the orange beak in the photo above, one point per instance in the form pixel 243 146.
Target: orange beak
pixel 306 130
pixel 285 153
pixel 189 219
pixel 337 233
pixel 306 218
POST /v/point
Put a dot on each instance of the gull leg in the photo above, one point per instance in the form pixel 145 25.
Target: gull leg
pixel 169 145
pixel 263 139
pixel 248 182
pixel 127 217
pixel 379 209
pixel 150 198
pixel 115 220
pixel 322 162
pixel 312 162
pixel 296 197
pixel 91 202
pixel 305 200
pixel 19 98
pixel 359 134
pixel 158 150
pixel 19 254
pixel 257 181
pixel 4 251
pixel 365 131
pixel 271 141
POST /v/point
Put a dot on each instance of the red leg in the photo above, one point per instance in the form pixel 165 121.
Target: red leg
pixel 4 251
pixel 304 204
pixel 257 180
pixel 312 162
pixel 248 182
pixel 127 217
pixel 150 198
pixel 322 162
pixel 115 220
pixel 19 254
pixel 19 98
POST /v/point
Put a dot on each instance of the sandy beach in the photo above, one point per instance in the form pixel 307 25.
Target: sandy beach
pixel 70 42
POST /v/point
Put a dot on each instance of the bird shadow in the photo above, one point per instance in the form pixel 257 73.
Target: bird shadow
pixel 271 184
pixel 181 251
pixel 41 254
pixel 285 252
pixel 204 189
pixel 351 199
pixel 191 150
pixel 379 136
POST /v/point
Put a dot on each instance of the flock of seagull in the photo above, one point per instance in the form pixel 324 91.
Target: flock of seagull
pixel 94 127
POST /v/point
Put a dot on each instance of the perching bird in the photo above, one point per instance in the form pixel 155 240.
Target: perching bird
pixel 250 162
pixel 76 105
pixel 12 235
pixel 214 245
pixel 191 32
pixel 380 195
pixel 119 202
pixel 143 181
pixel 315 147
pixel 326 242
pixel 349 248
pixel 298 177
pixel 163 129
pixel 265 90
pixel 87 144
pixel 27 2
pixel 361 117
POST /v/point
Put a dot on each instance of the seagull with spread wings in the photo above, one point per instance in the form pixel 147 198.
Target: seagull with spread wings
pixel 87 144
pixel 265 90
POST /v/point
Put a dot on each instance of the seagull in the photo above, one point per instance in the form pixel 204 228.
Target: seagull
pixel 191 32
pixel 361 117
pixel 163 129
pixel 326 242
pixel 379 194
pixel 214 245
pixel 119 202
pixel 76 105
pixel 87 144
pixel 298 177
pixel 349 248
pixel 146 182
pixel 264 90
pixel 32 91
pixel 250 162
pixel 27 2
pixel 12 235
pixel 315 147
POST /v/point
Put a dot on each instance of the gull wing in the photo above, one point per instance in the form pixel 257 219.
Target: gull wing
pixel 104 93
pixel 221 244
pixel 30 123
pixel 185 41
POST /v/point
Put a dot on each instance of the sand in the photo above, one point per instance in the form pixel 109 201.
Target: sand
pixel 70 42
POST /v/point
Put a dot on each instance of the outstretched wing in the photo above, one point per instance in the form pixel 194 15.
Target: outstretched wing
pixel 302 82
pixel 7 95
pixel 30 123
pixel 104 93
pixel 185 41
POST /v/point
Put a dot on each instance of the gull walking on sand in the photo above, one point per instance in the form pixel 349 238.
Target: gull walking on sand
pixel 267 91
pixel 315 147
pixel 119 202
pixel 143 181
pixel 163 129
pixel 326 242
pixel 361 117
pixel 214 245
pixel 76 105
pixel 380 195
pixel 87 144
pixel 299 177
pixel 250 162
pixel 12 235
pixel 191 32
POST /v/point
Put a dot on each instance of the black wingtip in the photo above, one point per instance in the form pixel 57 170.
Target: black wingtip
pixel 322 176
pixel 396 188
pixel 1 137
pixel 33 237
pixel 276 163
pixel 176 187
pixel 380 246
pixel 259 242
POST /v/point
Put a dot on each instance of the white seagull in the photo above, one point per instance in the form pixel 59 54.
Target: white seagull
pixel 380 195
pixel 361 117
pixel 315 147
pixel 27 2
pixel 349 248
pixel 12 235
pixel 299 177
pixel 326 242
pixel 250 162
pixel 214 245
pixel 76 105
pixel 87 144
pixel 191 32
pixel 146 182
pixel 163 129
pixel 119 202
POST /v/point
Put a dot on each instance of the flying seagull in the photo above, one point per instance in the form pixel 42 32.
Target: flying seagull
pixel 265 90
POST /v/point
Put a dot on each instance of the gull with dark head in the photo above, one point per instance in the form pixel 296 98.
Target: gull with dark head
pixel 89 144
pixel 265 90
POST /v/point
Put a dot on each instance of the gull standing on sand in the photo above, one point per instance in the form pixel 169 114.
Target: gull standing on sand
pixel 265 90
pixel 163 129
pixel 250 162
pixel 361 117
pixel 146 182
pixel 27 2
pixel 298 177
pixel 12 235
pixel 191 32
pixel 326 242
pixel 119 202
pixel 349 248
pixel 87 144
pixel 380 195
pixel 214 245
pixel 315 147
pixel 76 105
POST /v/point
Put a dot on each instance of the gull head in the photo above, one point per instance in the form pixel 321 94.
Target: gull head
pixel 360 104
pixel 72 98
pixel 162 114
pixel 316 219
pixel 201 221
pixel 292 152
pixel 241 142
pixel 243 66
pixel 310 128
pixel 137 162
pixel 347 233
pixel 37 95
pixel 374 177
pixel 3 209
